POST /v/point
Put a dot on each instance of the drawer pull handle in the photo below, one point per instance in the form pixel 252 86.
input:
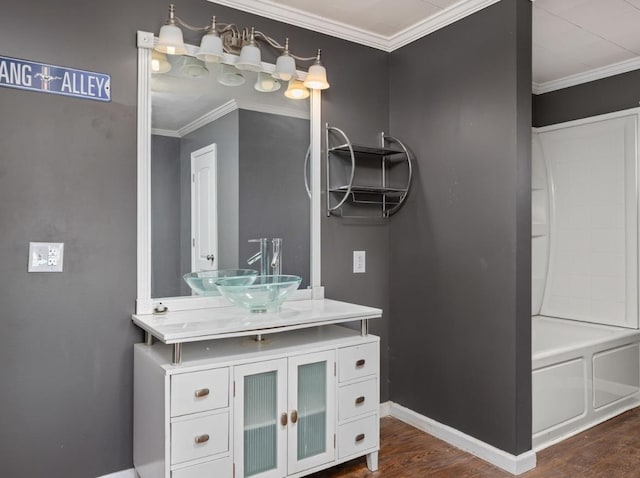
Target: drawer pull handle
pixel 360 437
pixel 201 439
pixel 360 363
pixel 359 400
pixel 294 416
pixel 283 420
pixel 203 392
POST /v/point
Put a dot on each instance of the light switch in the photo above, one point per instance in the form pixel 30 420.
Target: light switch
pixel 359 262
pixel 45 256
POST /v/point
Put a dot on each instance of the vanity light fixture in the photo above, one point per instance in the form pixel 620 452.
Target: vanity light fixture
pixel 317 76
pixel 221 38
pixel 159 62
pixel 170 39
pixel 296 90
pixel 266 83
pixel 230 76
pixel 250 55
pixel 285 64
pixel 211 49
pixel 193 68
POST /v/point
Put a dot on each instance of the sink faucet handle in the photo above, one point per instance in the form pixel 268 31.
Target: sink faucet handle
pixel 262 255
pixel 276 261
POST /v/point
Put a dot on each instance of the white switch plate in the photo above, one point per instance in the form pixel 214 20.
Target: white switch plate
pixel 359 262
pixel 45 256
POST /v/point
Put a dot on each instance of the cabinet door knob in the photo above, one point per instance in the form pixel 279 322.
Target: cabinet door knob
pixel 360 363
pixel 359 400
pixel 201 439
pixel 203 392
pixel 284 420
pixel 359 437
pixel 294 416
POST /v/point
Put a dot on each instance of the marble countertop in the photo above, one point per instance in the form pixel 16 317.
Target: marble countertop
pixel 223 322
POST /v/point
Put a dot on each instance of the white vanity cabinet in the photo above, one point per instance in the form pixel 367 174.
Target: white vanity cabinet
pixel 295 403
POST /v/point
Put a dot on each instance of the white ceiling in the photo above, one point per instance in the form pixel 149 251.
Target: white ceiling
pixel 573 40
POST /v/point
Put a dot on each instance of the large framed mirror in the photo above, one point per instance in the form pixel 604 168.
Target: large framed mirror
pixel 221 161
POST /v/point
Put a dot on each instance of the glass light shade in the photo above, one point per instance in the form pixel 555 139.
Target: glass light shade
pixel 266 83
pixel 317 78
pixel 159 62
pixel 249 58
pixel 230 76
pixel 296 90
pixel 211 49
pixel 285 67
pixel 170 40
pixel 193 68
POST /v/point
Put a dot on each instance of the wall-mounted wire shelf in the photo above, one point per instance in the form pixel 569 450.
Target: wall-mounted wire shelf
pixel 389 196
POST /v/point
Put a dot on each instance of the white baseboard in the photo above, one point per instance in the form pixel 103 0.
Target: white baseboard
pixel 508 462
pixel 130 473
pixel 385 409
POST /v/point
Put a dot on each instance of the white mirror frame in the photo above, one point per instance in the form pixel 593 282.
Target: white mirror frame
pixel 145 304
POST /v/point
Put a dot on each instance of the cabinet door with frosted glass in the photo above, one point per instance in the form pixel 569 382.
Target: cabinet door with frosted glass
pixel 260 419
pixel 311 391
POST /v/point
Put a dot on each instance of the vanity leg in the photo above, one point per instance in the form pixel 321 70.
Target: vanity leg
pixel 148 338
pixel 364 327
pixel 177 354
pixel 372 461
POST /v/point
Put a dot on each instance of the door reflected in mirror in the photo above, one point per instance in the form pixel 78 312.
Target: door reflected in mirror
pixel 227 165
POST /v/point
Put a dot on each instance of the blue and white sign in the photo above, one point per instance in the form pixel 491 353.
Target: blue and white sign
pixel 29 75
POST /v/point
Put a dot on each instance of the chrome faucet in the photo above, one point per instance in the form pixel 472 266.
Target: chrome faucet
pixel 276 260
pixel 262 255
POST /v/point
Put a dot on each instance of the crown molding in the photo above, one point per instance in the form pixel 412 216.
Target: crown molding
pixel 165 132
pixel 207 118
pixel 317 23
pixel 225 109
pixel 435 22
pixel 274 110
pixel 587 76
pixel 302 19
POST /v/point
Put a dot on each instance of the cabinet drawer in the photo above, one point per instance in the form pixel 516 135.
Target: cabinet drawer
pixel 358 436
pixel 199 437
pixel 199 391
pixel 357 361
pixel 357 399
pixel 222 468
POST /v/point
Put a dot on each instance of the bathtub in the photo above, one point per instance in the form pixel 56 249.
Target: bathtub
pixel 583 374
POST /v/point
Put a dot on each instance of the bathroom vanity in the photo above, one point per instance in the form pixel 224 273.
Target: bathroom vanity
pixel 209 399
pixel 223 404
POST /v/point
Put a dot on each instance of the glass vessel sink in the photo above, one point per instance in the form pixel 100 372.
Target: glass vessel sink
pixel 258 294
pixel 204 282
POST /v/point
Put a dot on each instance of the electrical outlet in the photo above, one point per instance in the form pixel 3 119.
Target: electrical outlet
pixel 45 256
pixel 359 262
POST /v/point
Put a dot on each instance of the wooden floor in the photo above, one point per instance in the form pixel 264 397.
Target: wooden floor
pixel 610 450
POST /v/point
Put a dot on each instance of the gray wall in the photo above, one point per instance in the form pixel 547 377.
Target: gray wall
pixel 68 174
pixel 165 216
pixel 460 248
pixel 274 202
pixel 224 132
pixel 589 99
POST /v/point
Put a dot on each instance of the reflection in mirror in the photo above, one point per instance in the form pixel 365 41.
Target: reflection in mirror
pixel 227 165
